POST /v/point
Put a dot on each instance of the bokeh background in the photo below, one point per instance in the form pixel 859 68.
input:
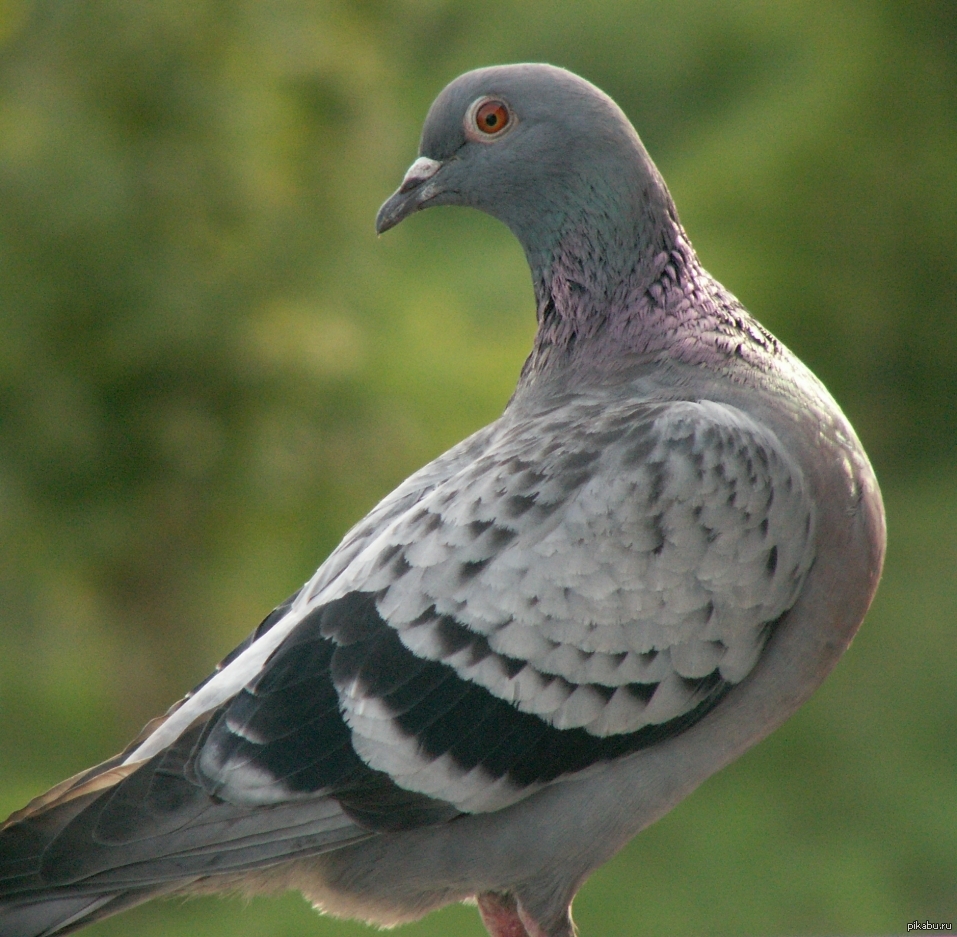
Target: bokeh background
pixel 210 367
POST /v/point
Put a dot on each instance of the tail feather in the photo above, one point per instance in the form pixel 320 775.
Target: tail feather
pixel 55 914
pixel 48 916
pixel 118 835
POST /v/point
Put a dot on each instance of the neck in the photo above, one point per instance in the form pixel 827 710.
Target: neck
pixel 616 279
pixel 616 288
pixel 604 275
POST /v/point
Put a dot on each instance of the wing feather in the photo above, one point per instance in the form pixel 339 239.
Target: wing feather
pixel 561 589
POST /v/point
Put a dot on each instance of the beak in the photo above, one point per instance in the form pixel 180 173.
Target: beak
pixel 412 195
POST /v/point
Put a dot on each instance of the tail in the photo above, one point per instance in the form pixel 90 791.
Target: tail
pixel 29 907
pixel 121 834
pixel 45 916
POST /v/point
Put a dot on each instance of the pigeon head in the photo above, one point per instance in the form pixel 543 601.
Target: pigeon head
pixel 556 160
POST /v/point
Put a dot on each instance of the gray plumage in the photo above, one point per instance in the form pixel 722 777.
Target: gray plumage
pixel 544 639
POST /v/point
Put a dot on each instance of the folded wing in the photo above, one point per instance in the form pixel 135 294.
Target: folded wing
pixel 592 582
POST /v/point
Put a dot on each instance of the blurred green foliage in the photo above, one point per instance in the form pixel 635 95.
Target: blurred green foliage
pixel 209 368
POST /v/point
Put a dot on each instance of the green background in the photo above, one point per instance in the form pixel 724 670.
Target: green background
pixel 210 367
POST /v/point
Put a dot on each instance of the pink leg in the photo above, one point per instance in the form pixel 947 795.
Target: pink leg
pixel 500 915
pixel 503 916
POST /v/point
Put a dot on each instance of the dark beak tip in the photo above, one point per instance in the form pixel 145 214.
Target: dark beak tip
pixel 399 205
pixel 393 210
pixel 382 224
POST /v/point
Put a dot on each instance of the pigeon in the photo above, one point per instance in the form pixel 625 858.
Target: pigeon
pixel 543 640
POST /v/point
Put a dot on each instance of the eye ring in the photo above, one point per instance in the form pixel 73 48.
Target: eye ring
pixel 488 119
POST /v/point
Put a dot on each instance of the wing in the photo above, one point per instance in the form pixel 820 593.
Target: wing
pixel 588 582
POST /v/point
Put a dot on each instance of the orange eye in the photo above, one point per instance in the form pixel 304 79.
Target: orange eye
pixel 492 117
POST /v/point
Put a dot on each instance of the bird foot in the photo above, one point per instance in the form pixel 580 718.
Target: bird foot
pixel 500 915
pixel 503 916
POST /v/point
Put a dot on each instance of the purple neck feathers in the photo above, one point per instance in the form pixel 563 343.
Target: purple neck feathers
pixel 592 317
